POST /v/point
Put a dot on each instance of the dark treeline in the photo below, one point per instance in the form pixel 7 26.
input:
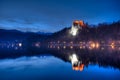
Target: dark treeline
pixel 101 31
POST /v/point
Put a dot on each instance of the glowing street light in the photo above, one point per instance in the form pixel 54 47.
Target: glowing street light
pixel 58 47
pixel 20 44
pixel 112 45
pixel 97 45
pixel 64 47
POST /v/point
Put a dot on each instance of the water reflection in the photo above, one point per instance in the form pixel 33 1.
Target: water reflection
pixel 48 67
pixel 76 64
pixel 76 57
pixel 85 57
pixel 103 56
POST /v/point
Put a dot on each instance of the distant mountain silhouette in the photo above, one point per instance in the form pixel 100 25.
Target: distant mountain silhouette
pixel 44 33
pixel 15 34
pixel 99 32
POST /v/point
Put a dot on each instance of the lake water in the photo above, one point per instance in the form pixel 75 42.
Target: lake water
pixel 48 67
pixel 58 64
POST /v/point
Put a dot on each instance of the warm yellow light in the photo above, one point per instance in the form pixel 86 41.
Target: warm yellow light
pixel 97 45
pixel 112 45
pixel 93 45
pixel 80 47
pixel 81 67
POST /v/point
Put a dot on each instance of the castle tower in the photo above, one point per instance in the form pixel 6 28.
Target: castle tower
pixel 76 25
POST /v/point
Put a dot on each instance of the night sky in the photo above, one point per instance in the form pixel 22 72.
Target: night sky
pixel 54 15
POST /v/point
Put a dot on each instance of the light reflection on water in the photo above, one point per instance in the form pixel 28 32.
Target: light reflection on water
pixel 94 62
pixel 50 67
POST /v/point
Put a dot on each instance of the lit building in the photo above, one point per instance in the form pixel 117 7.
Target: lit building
pixel 78 67
pixel 76 64
pixel 76 26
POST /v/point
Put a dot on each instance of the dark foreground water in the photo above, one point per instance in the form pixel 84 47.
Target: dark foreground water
pixel 48 67
pixel 56 63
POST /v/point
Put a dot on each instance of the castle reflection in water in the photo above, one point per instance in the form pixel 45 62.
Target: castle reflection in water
pixel 79 54
pixel 104 58
pixel 104 54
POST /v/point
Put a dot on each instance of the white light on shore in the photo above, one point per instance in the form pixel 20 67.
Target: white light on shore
pixel 20 44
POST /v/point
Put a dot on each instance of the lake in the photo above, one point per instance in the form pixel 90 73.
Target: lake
pixel 60 64
pixel 52 68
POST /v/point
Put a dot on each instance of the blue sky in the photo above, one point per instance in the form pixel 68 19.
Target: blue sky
pixel 54 15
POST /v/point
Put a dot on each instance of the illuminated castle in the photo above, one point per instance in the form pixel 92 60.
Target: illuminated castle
pixel 76 25
pixel 76 64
